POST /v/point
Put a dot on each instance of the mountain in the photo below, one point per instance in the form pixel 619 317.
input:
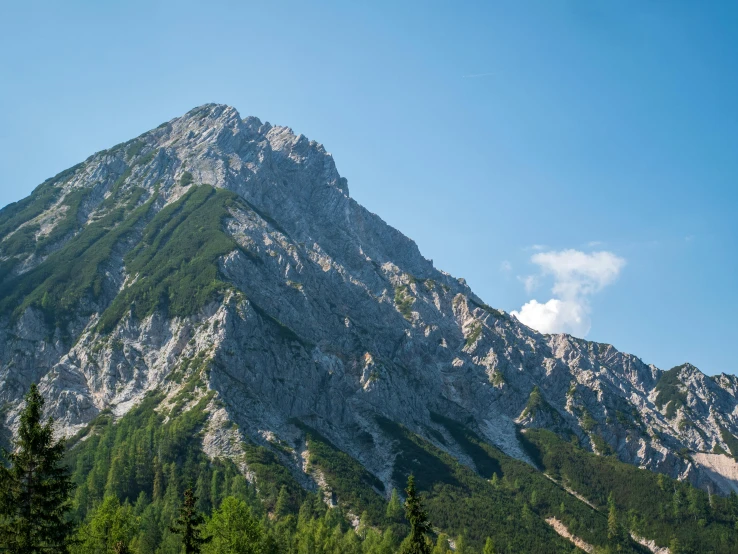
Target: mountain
pixel 218 265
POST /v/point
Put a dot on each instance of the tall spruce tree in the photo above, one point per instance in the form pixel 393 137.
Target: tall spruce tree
pixel 613 527
pixel 189 524
pixel 35 488
pixel 394 507
pixel 417 541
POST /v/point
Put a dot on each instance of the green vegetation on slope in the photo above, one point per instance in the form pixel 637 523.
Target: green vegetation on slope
pixel 144 462
pixel 670 392
pixel 650 505
pixel 730 440
pixel 353 485
pixel 510 507
pixel 175 266
pixel 131 475
pixel 41 199
pixel 404 301
pixel 67 277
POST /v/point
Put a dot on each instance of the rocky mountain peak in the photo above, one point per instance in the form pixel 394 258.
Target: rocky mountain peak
pixel 225 244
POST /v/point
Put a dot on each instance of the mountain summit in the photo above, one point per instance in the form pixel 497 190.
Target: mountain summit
pixel 221 260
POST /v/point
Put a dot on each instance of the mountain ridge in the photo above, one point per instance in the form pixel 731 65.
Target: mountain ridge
pixel 301 304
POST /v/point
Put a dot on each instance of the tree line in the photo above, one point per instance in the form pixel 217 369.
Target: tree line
pixel 38 509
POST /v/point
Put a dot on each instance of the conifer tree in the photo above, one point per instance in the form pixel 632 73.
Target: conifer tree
pixel 189 524
pixel 35 490
pixel 489 546
pixel 678 503
pixel 110 524
pixel 282 507
pixel 234 529
pixel 613 529
pixel 417 541
pixel 441 545
pixel 394 508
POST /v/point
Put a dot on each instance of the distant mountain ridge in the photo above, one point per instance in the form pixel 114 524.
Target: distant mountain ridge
pixel 229 248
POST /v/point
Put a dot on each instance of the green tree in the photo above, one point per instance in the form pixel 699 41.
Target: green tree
pixel 35 490
pixel 441 545
pixel 679 503
pixel 613 528
pixel 234 529
pixel 417 541
pixel 461 546
pixel 189 524
pixel 282 507
pixel 394 508
pixel 698 506
pixel 489 546
pixel 109 526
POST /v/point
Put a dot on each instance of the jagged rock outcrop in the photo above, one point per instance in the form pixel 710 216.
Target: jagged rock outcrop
pixel 225 242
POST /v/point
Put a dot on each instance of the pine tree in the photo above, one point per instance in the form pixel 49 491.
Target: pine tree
pixel 417 541
pixel 109 525
pixel 489 546
pixel 188 525
pixel 678 503
pixel 613 529
pixel 234 529
pixel 35 490
pixel 158 486
pixel 441 545
pixel 394 508
pixel 698 508
pixel 282 507
pixel 661 480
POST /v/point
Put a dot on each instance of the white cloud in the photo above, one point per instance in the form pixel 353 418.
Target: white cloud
pixel 577 276
pixel 556 316
pixel 505 266
pixel 530 282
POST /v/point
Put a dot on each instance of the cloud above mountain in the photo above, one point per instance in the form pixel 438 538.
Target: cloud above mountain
pixel 577 277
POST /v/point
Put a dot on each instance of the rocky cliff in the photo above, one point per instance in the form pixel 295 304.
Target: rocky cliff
pixel 228 250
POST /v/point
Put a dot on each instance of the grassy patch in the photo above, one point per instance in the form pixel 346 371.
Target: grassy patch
pixel 58 285
pixel 476 332
pixel 176 262
pixel 671 392
pixel 489 309
pixel 404 301
pixel 730 441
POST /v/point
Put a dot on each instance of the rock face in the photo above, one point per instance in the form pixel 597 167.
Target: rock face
pixel 303 305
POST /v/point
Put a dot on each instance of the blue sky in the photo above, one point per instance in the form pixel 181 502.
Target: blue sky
pixel 579 154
